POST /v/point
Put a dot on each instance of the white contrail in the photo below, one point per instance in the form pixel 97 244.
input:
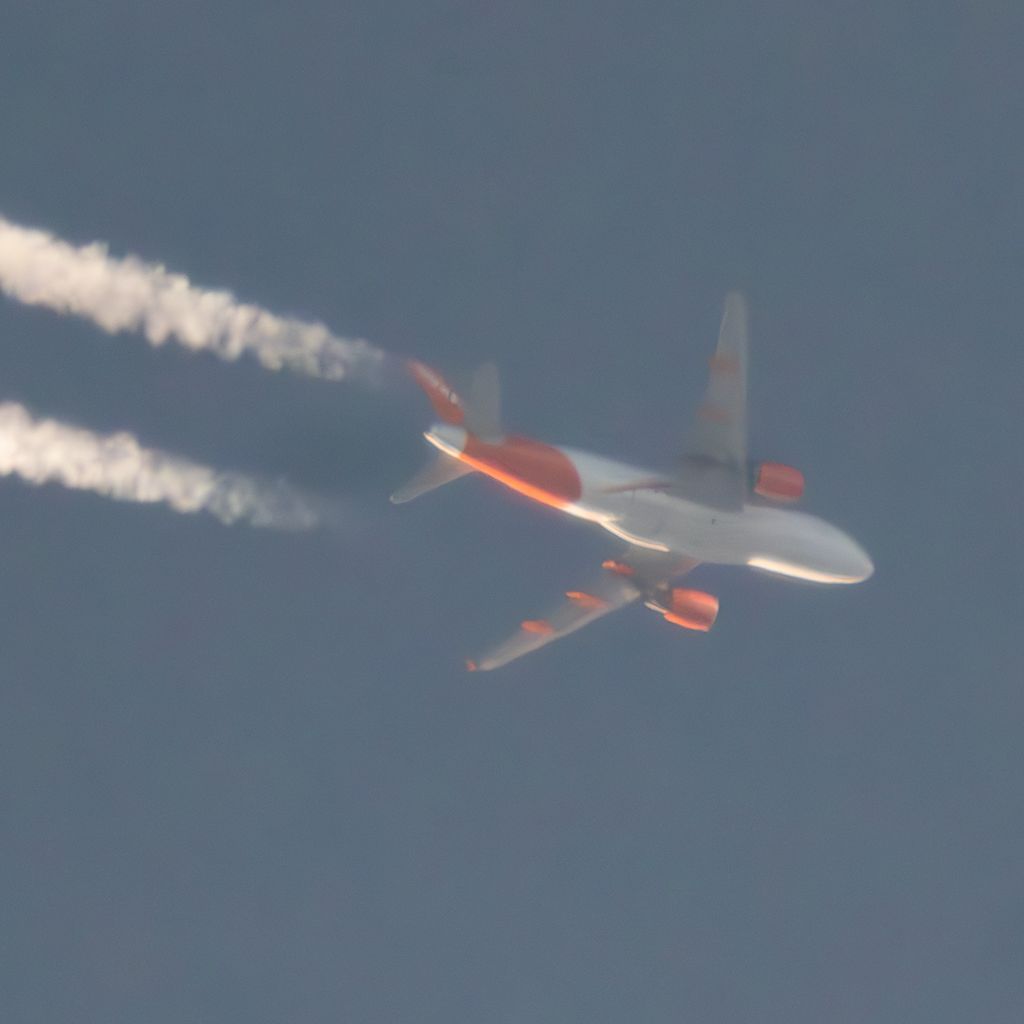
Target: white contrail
pixel 117 466
pixel 128 294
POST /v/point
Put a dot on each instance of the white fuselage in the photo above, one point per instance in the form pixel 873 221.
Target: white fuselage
pixel 774 539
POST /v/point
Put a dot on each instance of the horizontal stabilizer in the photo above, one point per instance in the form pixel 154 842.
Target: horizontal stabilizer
pixel 442 470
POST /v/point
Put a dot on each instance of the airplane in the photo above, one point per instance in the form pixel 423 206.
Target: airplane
pixel 716 507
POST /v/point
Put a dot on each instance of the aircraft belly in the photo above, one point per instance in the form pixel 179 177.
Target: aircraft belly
pixel 705 534
pixel 637 517
pixel 779 540
pixel 644 516
pixel 664 522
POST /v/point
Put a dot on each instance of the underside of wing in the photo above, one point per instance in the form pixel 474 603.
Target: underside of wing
pixel 624 580
pixel 578 609
pixel 714 461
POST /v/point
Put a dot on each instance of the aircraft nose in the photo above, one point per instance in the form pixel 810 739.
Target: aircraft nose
pixel 868 565
pixel 863 567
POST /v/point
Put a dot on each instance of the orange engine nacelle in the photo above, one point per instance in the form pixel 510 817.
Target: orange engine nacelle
pixel 778 482
pixel 691 609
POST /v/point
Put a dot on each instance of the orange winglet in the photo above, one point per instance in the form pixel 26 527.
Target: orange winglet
pixel 619 568
pixel 540 626
pixel 588 601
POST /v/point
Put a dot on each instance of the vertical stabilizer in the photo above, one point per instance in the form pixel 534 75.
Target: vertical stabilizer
pixel 483 407
pixel 480 413
pixel 447 404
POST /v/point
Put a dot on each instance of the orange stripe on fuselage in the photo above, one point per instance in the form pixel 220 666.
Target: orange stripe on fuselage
pixel 536 470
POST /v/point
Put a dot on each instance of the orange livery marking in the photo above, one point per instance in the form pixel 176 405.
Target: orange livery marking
pixel 724 364
pixel 714 414
pixel 619 568
pixel 537 470
pixel 539 626
pixel 445 402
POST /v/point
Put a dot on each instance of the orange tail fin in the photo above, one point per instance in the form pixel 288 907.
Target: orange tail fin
pixel 445 401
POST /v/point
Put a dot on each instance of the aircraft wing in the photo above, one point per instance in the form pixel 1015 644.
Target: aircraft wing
pixel 714 462
pixel 622 582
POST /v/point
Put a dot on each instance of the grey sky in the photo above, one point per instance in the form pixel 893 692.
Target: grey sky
pixel 245 776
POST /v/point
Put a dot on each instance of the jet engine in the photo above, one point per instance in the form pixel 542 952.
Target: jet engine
pixel 777 482
pixel 691 609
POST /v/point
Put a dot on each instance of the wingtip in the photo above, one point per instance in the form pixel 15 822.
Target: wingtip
pixel 736 299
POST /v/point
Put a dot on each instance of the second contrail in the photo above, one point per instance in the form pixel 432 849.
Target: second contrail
pixel 117 466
